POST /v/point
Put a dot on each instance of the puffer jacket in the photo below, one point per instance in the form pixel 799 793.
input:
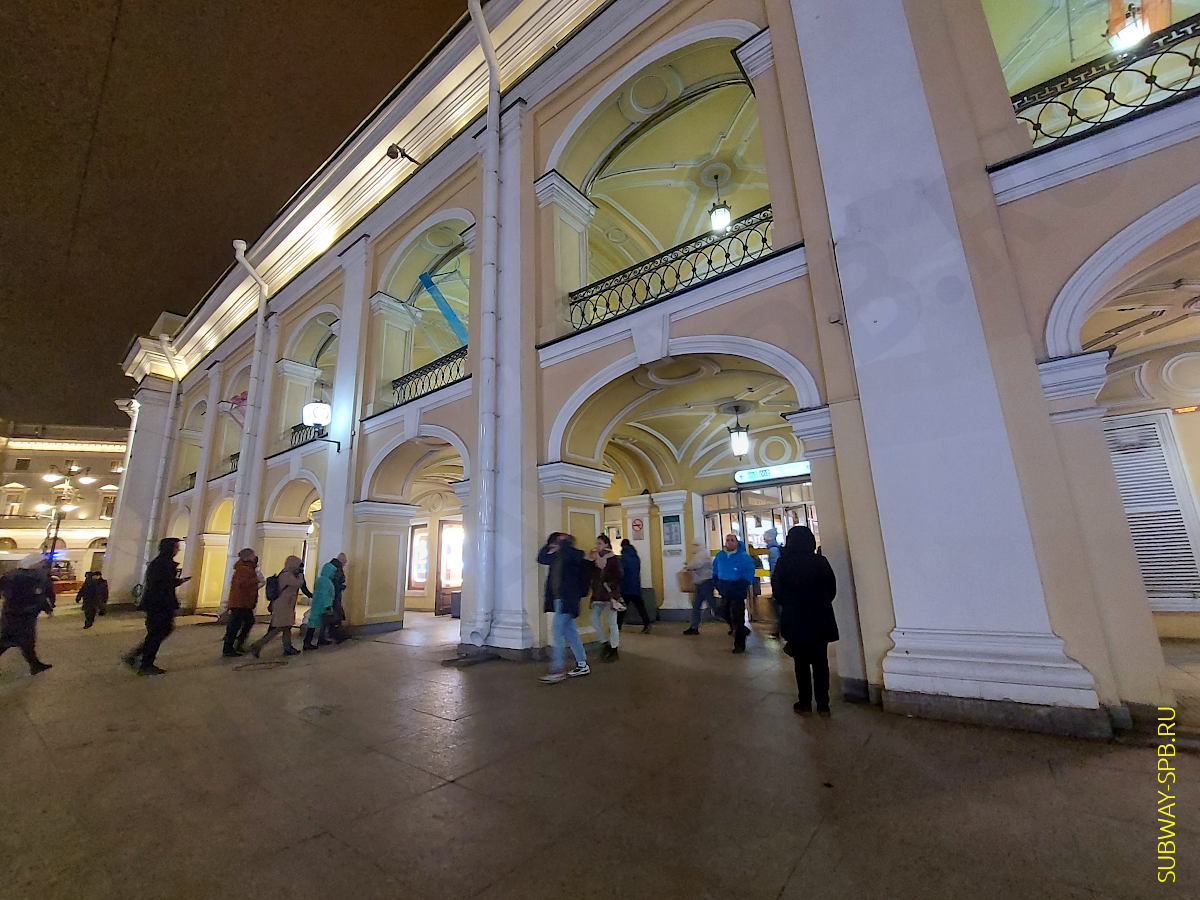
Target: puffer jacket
pixel 736 566
pixel 322 599
pixel 606 579
pixel 243 586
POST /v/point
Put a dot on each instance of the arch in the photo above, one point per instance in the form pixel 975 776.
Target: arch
pixel 190 420
pixel 298 329
pixel 303 475
pixel 794 371
pixel 434 431
pixel 220 518
pixel 738 29
pixel 98 544
pixel 444 215
pixel 1084 290
pixel 7 543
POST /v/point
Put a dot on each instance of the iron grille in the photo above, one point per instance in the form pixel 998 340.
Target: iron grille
pixel 443 371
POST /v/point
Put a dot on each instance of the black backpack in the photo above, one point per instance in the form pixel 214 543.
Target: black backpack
pixel 272 588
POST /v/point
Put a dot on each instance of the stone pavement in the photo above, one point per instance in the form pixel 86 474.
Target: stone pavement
pixel 369 770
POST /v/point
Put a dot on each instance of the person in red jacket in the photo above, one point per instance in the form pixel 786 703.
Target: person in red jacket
pixel 243 598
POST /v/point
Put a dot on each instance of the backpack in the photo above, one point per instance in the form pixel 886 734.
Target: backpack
pixel 272 588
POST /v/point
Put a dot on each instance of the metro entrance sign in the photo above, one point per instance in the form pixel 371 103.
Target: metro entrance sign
pixel 770 473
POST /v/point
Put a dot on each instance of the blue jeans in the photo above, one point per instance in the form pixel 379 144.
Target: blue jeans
pixel 604 618
pixel 703 595
pixel 562 632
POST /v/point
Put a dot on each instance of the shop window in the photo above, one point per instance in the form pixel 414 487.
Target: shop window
pixel 418 557
pixel 12 504
pixel 22 465
pixel 450 542
pixel 107 505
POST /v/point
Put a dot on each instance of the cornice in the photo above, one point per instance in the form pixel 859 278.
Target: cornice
pixel 756 55
pixel 553 189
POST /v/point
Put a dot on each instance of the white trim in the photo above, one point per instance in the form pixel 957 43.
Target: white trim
pixel 784 363
pixel 756 55
pixel 782 267
pixel 1072 383
pixel 455 213
pixel 425 430
pixel 553 189
pixel 375 510
pixel 560 480
pixel 811 424
pixel 309 315
pixel 414 408
pixel 290 368
pixel 1124 142
pixel 737 29
pixel 1084 290
pixel 299 475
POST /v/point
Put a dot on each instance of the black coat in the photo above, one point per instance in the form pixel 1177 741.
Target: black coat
pixel 804 587
pixel 26 593
pixel 158 594
pixel 576 578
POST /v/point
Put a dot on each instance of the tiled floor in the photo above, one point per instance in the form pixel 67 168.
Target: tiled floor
pixel 369 770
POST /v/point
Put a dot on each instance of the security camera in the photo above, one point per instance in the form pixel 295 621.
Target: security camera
pixel 394 151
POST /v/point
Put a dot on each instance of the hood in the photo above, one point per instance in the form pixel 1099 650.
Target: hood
pixel 244 564
pixel 800 539
pixel 628 551
pixel 292 564
pixel 328 570
pixel 771 535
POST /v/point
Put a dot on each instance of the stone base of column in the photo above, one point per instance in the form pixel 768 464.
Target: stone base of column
pixel 855 690
pixel 1069 720
pixel 1023 668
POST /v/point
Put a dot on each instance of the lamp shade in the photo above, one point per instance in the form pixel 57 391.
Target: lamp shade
pixel 720 216
pixel 739 440
pixel 316 414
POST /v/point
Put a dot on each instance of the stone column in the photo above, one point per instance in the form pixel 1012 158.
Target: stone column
pixel 130 532
pixel 566 213
pixel 374 597
pixel 971 614
pixel 813 428
pixel 191 550
pixel 296 383
pixel 392 326
pixel 757 60
pixel 672 549
pixel 1071 385
pixel 339 487
pixel 462 490
pixel 210 591
pixel 637 509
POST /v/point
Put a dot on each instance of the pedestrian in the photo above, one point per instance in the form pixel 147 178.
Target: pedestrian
pixel 336 630
pixel 243 599
pixel 93 597
pixel 631 585
pixel 774 548
pixel 320 612
pixel 700 565
pixel 805 586
pixel 606 596
pixel 160 604
pixel 566 582
pixel 283 607
pixel 733 571
pixel 27 592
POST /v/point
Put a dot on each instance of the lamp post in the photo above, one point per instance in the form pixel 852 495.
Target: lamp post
pixel 63 501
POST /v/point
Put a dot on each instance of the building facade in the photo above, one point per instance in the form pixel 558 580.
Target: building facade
pixel 61 487
pixel 939 258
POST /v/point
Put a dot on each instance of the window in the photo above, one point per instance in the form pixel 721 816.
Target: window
pixel 451 554
pixel 418 557
pixel 115 466
pixel 12 504
pixel 22 465
pixel 107 505
pixel 68 465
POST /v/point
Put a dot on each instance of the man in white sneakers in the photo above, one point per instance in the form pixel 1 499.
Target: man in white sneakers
pixel 565 584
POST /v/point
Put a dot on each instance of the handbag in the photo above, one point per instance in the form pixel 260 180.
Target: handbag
pixel 687 584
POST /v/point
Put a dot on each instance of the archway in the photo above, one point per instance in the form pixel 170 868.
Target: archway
pixel 214 552
pixel 293 526
pixel 187 453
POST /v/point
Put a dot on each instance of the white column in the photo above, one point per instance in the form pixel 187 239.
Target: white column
pixel 379 563
pixel 672 547
pixel 339 490
pixel 392 326
pixel 191 549
pixel 971 618
pixel 813 428
pixel 462 490
pixel 571 213
pixel 130 532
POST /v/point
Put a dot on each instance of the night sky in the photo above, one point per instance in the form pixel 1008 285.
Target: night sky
pixel 138 139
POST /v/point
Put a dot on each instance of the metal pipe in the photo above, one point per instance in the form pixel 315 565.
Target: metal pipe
pixel 485 486
pixel 156 510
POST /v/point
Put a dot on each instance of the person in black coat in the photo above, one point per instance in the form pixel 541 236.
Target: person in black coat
pixel 27 592
pixel 631 585
pixel 93 596
pixel 159 603
pixel 566 583
pixel 804 586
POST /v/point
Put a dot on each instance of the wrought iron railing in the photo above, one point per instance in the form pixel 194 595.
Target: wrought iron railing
pixel 658 277
pixel 303 434
pixel 186 483
pixel 443 371
pixel 231 463
pixel 1163 68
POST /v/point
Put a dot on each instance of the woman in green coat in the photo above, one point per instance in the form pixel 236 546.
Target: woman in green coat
pixel 322 603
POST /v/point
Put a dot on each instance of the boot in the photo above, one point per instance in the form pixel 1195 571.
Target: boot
pixel 606 651
pixel 614 654
pixel 310 635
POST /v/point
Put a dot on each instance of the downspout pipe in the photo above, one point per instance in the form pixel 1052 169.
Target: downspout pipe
pixel 240 536
pixel 485 490
pixel 156 508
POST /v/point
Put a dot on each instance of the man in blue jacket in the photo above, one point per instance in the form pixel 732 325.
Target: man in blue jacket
pixel 566 583
pixel 733 571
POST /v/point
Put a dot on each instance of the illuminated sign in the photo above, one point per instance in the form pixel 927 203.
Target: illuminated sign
pixel 770 473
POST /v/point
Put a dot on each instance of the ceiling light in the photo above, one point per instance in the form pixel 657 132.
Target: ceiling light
pixel 739 434
pixel 316 414
pixel 69 507
pixel 719 214
pixel 87 479
pixel 52 476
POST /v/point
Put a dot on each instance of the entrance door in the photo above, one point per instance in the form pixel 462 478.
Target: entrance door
pixel 449 568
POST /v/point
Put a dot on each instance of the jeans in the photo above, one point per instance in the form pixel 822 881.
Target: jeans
pixel 27 651
pixel 816 657
pixel 271 632
pixel 778 610
pixel 703 595
pixel 238 629
pixel 562 632
pixel 601 613
pixel 158 626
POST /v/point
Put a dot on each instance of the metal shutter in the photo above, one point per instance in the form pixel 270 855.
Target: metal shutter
pixel 1154 511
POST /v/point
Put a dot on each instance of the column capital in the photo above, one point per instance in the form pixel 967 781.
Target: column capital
pixel 462 490
pixel 376 511
pixel 265 530
pixel 1071 385
pixel 669 503
pixel 289 368
pixel 755 55
pixel 636 506
pixel 552 189
pixel 564 480
pixel 392 311
pixel 470 237
pixel 813 428
pixel 355 255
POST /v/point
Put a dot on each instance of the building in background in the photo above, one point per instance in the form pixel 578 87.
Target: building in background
pixel 922 276
pixel 60 488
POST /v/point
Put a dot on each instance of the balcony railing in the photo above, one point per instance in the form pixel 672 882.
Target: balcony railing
pixel 658 277
pixel 1163 68
pixel 231 463
pixel 186 483
pixel 440 373
pixel 304 434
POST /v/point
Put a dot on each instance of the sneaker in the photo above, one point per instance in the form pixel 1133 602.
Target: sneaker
pixel 288 651
pixel 612 657
pixel 151 670
pixel 231 653
pixel 580 669
pixel 39 667
pixel 552 677
pixel 692 631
